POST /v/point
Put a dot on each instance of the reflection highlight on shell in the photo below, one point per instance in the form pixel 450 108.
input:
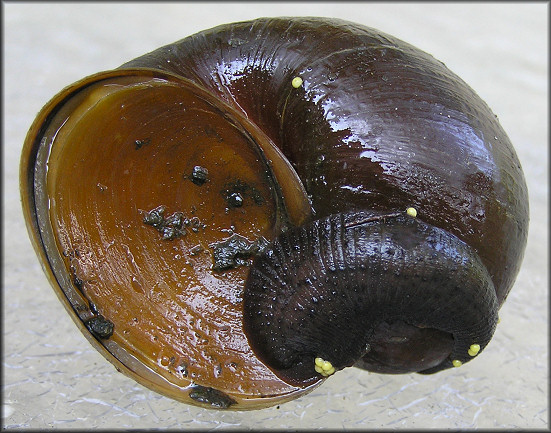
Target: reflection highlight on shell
pixel 235 217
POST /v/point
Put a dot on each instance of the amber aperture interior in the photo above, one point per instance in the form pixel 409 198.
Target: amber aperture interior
pixel 131 148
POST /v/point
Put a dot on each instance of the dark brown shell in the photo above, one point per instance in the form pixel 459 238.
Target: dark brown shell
pixel 377 124
pixel 116 167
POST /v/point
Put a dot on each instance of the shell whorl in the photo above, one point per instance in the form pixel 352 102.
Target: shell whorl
pixel 375 124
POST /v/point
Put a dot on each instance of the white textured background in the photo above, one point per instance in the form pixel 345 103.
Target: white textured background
pixel 52 378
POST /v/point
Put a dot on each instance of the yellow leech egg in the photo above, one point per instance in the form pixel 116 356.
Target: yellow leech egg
pixel 411 211
pixel 323 367
pixel 297 82
pixel 474 349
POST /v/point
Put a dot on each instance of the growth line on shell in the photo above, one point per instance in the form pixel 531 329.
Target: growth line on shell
pixel 369 219
pixel 296 82
pixel 410 211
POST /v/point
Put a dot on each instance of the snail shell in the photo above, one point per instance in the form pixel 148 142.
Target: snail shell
pixel 231 218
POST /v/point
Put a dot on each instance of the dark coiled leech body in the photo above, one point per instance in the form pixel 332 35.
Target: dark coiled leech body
pixel 323 289
pixel 376 125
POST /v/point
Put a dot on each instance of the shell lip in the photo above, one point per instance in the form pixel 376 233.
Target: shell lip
pixel 35 154
pixel 31 156
pixel 34 139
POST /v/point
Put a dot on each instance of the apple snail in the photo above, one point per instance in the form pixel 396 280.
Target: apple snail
pixel 234 217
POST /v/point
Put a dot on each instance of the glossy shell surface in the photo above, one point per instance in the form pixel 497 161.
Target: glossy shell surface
pixel 130 199
pixel 149 189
